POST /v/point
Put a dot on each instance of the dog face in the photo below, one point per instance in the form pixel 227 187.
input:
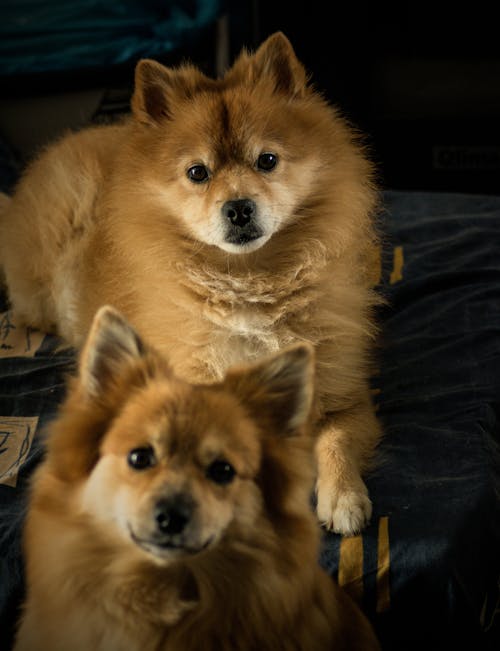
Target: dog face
pixel 237 158
pixel 166 467
pixel 176 469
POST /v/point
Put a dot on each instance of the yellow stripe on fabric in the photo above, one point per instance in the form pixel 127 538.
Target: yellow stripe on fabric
pixel 397 265
pixel 351 566
pixel 383 566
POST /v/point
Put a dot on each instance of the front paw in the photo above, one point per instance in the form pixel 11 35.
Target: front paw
pixel 345 511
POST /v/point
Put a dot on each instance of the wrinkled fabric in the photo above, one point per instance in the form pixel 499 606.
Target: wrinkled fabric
pixel 436 480
pixel 55 35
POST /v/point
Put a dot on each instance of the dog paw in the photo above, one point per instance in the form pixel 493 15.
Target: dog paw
pixel 345 512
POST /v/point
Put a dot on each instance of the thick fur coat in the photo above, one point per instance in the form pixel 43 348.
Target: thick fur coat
pixel 176 517
pixel 226 219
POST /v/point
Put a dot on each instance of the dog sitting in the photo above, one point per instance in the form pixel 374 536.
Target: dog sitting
pixel 175 517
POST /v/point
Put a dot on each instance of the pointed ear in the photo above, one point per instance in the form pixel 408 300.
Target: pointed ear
pixel 276 58
pixel 278 389
pixel 157 87
pixel 112 346
pixel 150 98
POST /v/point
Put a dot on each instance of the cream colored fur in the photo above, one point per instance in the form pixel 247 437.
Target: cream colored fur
pixel 109 215
pixel 171 555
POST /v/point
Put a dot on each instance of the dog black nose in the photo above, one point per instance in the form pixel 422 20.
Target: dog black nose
pixel 239 211
pixel 173 514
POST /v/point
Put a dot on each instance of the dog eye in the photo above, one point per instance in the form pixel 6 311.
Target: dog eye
pixel 221 472
pixel 197 173
pixel 267 162
pixel 141 458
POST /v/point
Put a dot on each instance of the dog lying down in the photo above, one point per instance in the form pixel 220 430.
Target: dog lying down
pixel 176 517
pixel 226 219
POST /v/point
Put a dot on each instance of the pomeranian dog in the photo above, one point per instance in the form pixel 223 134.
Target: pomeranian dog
pixel 226 219
pixel 169 516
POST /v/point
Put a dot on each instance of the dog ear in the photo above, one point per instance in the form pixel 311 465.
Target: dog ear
pixel 276 58
pixel 111 347
pixel 278 389
pixel 157 87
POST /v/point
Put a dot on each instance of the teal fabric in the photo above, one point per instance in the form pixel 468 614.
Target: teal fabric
pixel 55 35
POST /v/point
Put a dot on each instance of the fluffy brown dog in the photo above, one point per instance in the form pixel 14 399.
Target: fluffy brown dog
pixel 176 517
pixel 226 219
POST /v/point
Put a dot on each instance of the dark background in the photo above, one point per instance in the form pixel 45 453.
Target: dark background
pixel 422 84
